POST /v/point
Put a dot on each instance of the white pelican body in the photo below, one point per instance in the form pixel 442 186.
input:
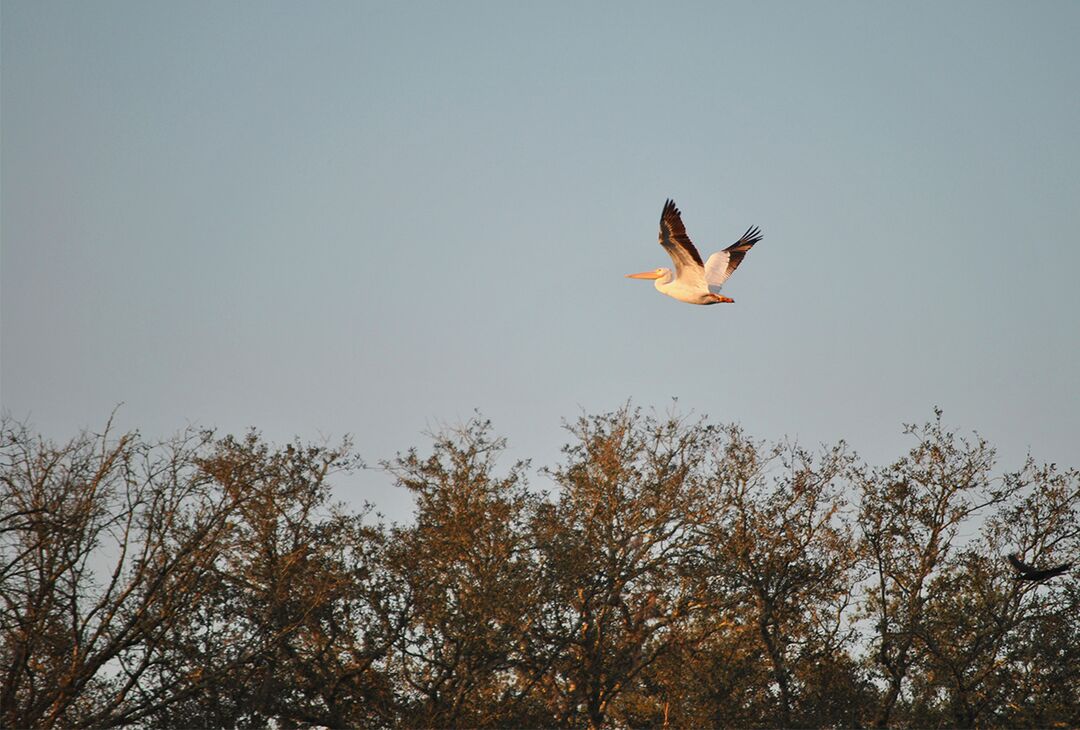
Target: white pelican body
pixel 695 282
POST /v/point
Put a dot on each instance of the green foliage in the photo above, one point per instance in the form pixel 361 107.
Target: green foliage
pixel 676 574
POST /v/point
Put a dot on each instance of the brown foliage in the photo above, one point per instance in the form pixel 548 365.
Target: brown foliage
pixel 677 574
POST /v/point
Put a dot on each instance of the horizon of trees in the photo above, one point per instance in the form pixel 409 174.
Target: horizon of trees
pixel 678 573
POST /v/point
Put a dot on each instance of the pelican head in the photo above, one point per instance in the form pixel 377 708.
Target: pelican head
pixel 662 276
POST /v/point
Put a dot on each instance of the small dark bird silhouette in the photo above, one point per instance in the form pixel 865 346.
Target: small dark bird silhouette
pixel 1030 572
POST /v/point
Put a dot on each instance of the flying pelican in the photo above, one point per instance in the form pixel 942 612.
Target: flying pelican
pixel 1030 572
pixel 695 282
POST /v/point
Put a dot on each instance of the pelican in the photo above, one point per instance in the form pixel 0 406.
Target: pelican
pixel 695 282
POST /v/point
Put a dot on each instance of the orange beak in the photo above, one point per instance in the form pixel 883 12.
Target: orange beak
pixel 644 275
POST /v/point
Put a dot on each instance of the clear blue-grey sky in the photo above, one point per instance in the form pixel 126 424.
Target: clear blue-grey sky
pixel 370 218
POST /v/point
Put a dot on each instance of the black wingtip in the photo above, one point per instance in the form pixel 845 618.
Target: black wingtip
pixel 744 244
pixel 752 236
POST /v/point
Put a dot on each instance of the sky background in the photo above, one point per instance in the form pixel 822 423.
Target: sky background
pixel 368 218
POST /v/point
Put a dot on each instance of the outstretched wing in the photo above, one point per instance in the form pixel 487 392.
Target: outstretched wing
pixel 673 238
pixel 1030 572
pixel 720 265
pixel 1057 570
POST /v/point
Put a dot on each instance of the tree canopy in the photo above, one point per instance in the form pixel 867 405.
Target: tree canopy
pixel 667 571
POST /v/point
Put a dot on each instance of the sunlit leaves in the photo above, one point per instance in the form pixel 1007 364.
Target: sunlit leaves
pixel 667 571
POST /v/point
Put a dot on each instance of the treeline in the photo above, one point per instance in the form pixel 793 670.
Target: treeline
pixel 676 574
